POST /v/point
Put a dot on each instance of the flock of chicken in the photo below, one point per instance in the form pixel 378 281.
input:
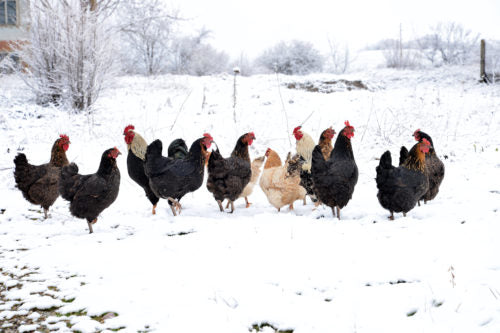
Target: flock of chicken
pixel 327 174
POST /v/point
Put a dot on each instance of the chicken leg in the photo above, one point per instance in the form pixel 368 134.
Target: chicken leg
pixel 290 207
pixel 175 205
pixel 154 209
pixel 248 203
pixel 392 216
pixel 220 205
pixel 46 213
pixel 91 230
pixel 338 212
pixel 232 206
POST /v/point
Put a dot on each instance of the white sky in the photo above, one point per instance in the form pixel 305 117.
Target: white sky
pixel 253 25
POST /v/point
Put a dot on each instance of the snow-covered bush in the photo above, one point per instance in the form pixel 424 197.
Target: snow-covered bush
pixel 295 57
pixel 397 56
pixel 69 51
pixel 339 57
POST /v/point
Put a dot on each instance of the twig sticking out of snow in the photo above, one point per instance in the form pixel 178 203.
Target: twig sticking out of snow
pixel 284 110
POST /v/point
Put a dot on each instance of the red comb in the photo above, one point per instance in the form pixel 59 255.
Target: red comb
pixel 128 128
pixel 64 136
pixel 252 134
pixel 296 129
pixel 347 123
pixel 416 134
pixel 207 135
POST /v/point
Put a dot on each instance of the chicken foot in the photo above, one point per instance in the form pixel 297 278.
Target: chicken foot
pixel 46 213
pixel 232 206
pixel 392 216
pixel 175 205
pixel 154 209
pixel 290 207
pixel 338 212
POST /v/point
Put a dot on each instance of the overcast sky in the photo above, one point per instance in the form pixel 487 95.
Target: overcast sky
pixel 253 25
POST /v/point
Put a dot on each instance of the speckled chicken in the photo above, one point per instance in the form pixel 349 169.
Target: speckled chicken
pixel 40 183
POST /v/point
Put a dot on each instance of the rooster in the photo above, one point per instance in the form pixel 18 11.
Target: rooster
pixel 335 178
pixel 280 187
pixel 399 188
pixel 89 195
pixel 305 146
pixel 40 183
pixel 255 166
pixel 136 147
pixel 434 167
pixel 227 177
pixel 170 178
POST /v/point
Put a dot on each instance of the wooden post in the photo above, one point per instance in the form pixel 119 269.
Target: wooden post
pixel 482 74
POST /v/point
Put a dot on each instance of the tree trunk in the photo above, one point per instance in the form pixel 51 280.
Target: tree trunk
pixel 483 75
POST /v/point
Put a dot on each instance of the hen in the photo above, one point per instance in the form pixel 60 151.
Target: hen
pixel 227 177
pixel 280 187
pixel 399 188
pixel 89 195
pixel 434 167
pixel 305 145
pixel 335 178
pixel 170 178
pixel 255 166
pixel 40 183
pixel 136 147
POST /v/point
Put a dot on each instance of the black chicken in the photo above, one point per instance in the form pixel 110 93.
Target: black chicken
pixel 335 178
pixel 227 177
pixel 399 188
pixel 434 168
pixel 89 195
pixel 178 149
pixel 40 183
pixel 170 178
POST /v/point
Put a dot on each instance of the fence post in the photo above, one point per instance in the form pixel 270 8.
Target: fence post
pixel 483 75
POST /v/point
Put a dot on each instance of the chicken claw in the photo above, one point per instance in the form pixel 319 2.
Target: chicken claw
pixel 220 205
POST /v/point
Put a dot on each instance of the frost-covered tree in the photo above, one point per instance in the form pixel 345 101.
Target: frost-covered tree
pixel 194 56
pixel 294 57
pixel 148 31
pixel 449 43
pixel 69 51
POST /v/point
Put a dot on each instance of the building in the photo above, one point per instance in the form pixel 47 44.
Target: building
pixel 13 24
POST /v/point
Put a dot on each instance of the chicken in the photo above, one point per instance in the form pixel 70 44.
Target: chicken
pixel 136 147
pixel 170 178
pixel 178 149
pixel 399 188
pixel 255 167
pixel 325 142
pixel 335 178
pixel 434 167
pixel 305 145
pixel 227 177
pixel 280 187
pixel 40 183
pixel 90 194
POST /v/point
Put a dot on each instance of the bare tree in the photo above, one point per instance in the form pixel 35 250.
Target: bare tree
pixel 448 43
pixel 148 29
pixel 69 53
pixel 339 57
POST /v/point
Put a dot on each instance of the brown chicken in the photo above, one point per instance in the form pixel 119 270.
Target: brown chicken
pixel 40 183
pixel 256 164
pixel 227 177
pixel 325 142
pixel 281 187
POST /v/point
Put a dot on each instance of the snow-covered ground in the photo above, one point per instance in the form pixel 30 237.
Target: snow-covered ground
pixel 436 270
